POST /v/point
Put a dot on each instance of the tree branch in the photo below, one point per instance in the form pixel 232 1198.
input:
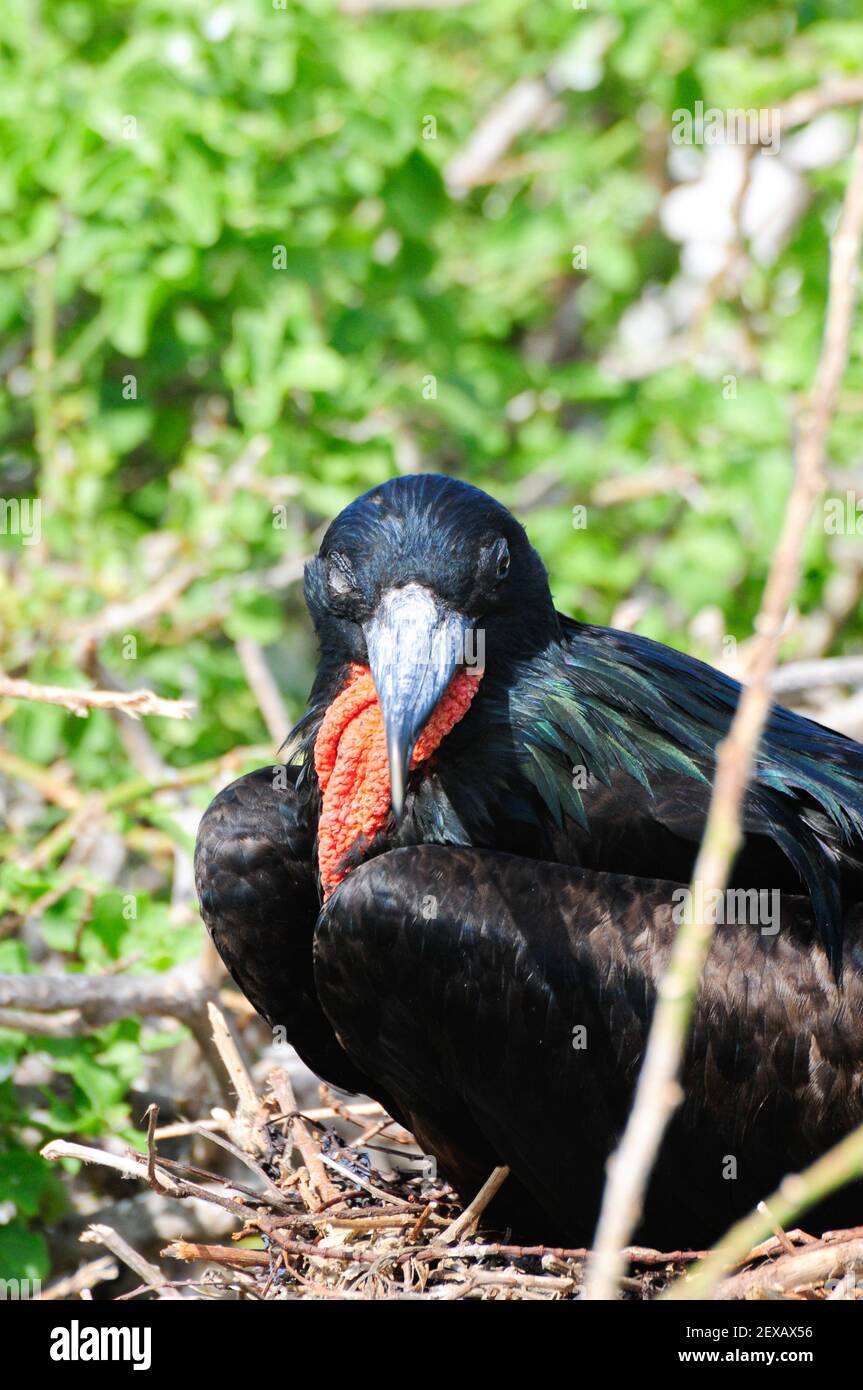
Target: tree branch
pixel 80 1003
pixel 811 675
pixel 80 702
pixel 658 1091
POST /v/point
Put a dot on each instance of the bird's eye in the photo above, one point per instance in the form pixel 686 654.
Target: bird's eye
pixel 502 557
pixel 339 575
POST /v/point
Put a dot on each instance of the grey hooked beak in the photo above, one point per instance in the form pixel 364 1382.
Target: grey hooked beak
pixel 415 645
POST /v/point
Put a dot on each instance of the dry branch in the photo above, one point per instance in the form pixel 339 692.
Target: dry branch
pixel 127 1165
pixel 69 1024
pixel 113 1241
pixel 245 1125
pixel 134 703
pixel 805 106
pixel 102 999
pixel 263 686
pixel 801 1270
pixel 272 1190
pixel 231 1196
pixel 310 1153
pixel 139 612
pixel 81 1003
pixel 474 1209
pixel 50 786
pixel 658 1090
pixel 227 1255
pixel 797 676
pixel 87 1277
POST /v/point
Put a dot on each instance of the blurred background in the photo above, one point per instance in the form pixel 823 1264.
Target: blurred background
pixel 257 257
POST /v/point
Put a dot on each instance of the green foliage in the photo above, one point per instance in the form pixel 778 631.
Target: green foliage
pixel 237 290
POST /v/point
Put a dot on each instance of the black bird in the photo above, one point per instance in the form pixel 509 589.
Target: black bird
pixel 459 893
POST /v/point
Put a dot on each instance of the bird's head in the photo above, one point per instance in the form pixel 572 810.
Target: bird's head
pixel 418 579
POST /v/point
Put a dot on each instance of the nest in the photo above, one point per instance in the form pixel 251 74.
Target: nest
pixel 317 1220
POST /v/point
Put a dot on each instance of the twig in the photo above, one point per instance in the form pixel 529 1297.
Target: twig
pixel 735 249
pixel 524 105
pixel 344 1254
pixel 778 1230
pixel 658 1090
pixel 396 1220
pixel 511 1278
pixel 140 611
pixel 799 1269
pixel 183 1128
pixel 127 1165
pixel 80 702
pixel 245 1125
pixel 113 1241
pixel 69 1024
pixel 152 1179
pixel 90 806
pixel 657 481
pixel 102 999
pixel 84 1002
pixel 87 1277
pixel 352 1111
pixel 52 787
pixel 134 1165
pixel 799 110
pixel 310 1152
pixel 805 106
pixel 265 690
pixel 274 1192
pixel 636 1254
pixel 216 1254
pixel 474 1209
pixel 810 675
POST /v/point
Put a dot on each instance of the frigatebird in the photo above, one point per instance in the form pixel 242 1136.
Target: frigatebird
pixel 458 891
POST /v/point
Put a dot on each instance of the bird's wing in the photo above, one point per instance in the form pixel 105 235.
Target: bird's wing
pixel 498 997
pixel 643 721
pixel 259 899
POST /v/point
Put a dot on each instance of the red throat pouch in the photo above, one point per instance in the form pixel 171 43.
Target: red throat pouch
pixel 352 768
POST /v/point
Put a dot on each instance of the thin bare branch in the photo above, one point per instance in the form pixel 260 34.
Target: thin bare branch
pixel 265 690
pixel 140 611
pixel 134 703
pixel 86 1277
pixel 467 1219
pixel 244 1126
pixel 113 1241
pixel 227 1255
pixel 310 1151
pixel 81 1003
pixel 795 1272
pixel 658 1091
pixel 797 676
